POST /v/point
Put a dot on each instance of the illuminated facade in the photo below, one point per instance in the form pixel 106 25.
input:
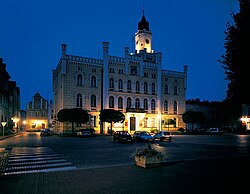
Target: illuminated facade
pixel 37 113
pixel 135 84
pixel 9 101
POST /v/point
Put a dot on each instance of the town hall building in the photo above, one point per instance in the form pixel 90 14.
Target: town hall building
pixel 150 97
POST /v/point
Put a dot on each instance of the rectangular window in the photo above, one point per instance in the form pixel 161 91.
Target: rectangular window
pixel 152 122
pixel 120 71
pixel 133 70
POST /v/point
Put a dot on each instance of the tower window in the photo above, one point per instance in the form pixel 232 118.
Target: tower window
pixel 147 41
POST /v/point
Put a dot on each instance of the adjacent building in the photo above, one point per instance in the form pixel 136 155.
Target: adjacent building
pixel 135 84
pixel 9 102
pixel 37 113
pixel 245 119
pixel 213 112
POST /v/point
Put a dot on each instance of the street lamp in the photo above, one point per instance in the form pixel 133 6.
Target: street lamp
pixel 3 124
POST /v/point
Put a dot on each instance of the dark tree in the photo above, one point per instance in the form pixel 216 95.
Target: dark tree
pixel 74 115
pixel 236 59
pixel 111 115
pixel 193 117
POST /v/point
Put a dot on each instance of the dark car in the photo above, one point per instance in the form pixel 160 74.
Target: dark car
pixel 123 137
pixel 143 136
pixel 163 136
pixel 46 132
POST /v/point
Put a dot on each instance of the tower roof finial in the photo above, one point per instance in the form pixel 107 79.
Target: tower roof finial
pixel 143 24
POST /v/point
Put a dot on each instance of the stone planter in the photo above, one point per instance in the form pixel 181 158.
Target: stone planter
pixel 148 162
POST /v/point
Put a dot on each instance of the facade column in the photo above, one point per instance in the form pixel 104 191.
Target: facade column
pixel 159 86
pixel 105 46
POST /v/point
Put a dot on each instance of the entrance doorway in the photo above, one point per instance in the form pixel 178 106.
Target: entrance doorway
pixel 132 123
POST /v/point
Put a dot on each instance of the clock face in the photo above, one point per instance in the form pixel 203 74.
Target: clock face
pixel 147 41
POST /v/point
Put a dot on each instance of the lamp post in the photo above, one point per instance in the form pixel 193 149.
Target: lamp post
pixel 3 124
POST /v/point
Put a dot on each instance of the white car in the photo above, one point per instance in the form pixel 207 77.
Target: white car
pixel 163 136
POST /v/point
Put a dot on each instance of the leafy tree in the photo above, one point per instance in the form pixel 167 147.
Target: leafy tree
pixel 193 117
pixel 74 115
pixel 236 59
pixel 111 115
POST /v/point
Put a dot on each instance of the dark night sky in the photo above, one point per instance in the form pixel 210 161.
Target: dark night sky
pixel 187 32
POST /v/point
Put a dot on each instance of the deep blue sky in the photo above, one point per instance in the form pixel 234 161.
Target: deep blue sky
pixel 187 32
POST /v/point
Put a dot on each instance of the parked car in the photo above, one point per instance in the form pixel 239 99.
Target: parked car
pixel 123 137
pixel 143 136
pixel 46 132
pixel 85 132
pixel 163 136
pixel 214 130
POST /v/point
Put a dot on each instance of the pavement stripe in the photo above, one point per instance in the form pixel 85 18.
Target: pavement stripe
pixel 33 160
pixel 40 170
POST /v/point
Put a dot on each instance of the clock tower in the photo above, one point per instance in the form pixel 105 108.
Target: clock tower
pixel 143 36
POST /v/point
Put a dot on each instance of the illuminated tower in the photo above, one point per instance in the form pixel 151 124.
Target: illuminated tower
pixel 143 36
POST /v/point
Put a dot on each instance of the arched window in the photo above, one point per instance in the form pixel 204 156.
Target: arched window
pixel 165 106
pixel 137 103
pixel 137 86
pixel 93 100
pixel 166 89
pixel 111 83
pixel 111 102
pixel 79 100
pixel 120 84
pixel 93 81
pixel 153 105
pixel 120 103
pixel 129 85
pixel 175 107
pixel 79 80
pixel 129 102
pixel 145 87
pixel 175 90
pixel 145 104
pixel 153 88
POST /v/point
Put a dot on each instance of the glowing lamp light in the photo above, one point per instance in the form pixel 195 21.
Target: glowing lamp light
pixel 15 119
pixel 38 122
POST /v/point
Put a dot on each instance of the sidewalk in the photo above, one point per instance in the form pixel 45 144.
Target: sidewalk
pixel 191 177
pixel 7 136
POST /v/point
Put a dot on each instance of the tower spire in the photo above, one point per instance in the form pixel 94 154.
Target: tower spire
pixel 143 36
